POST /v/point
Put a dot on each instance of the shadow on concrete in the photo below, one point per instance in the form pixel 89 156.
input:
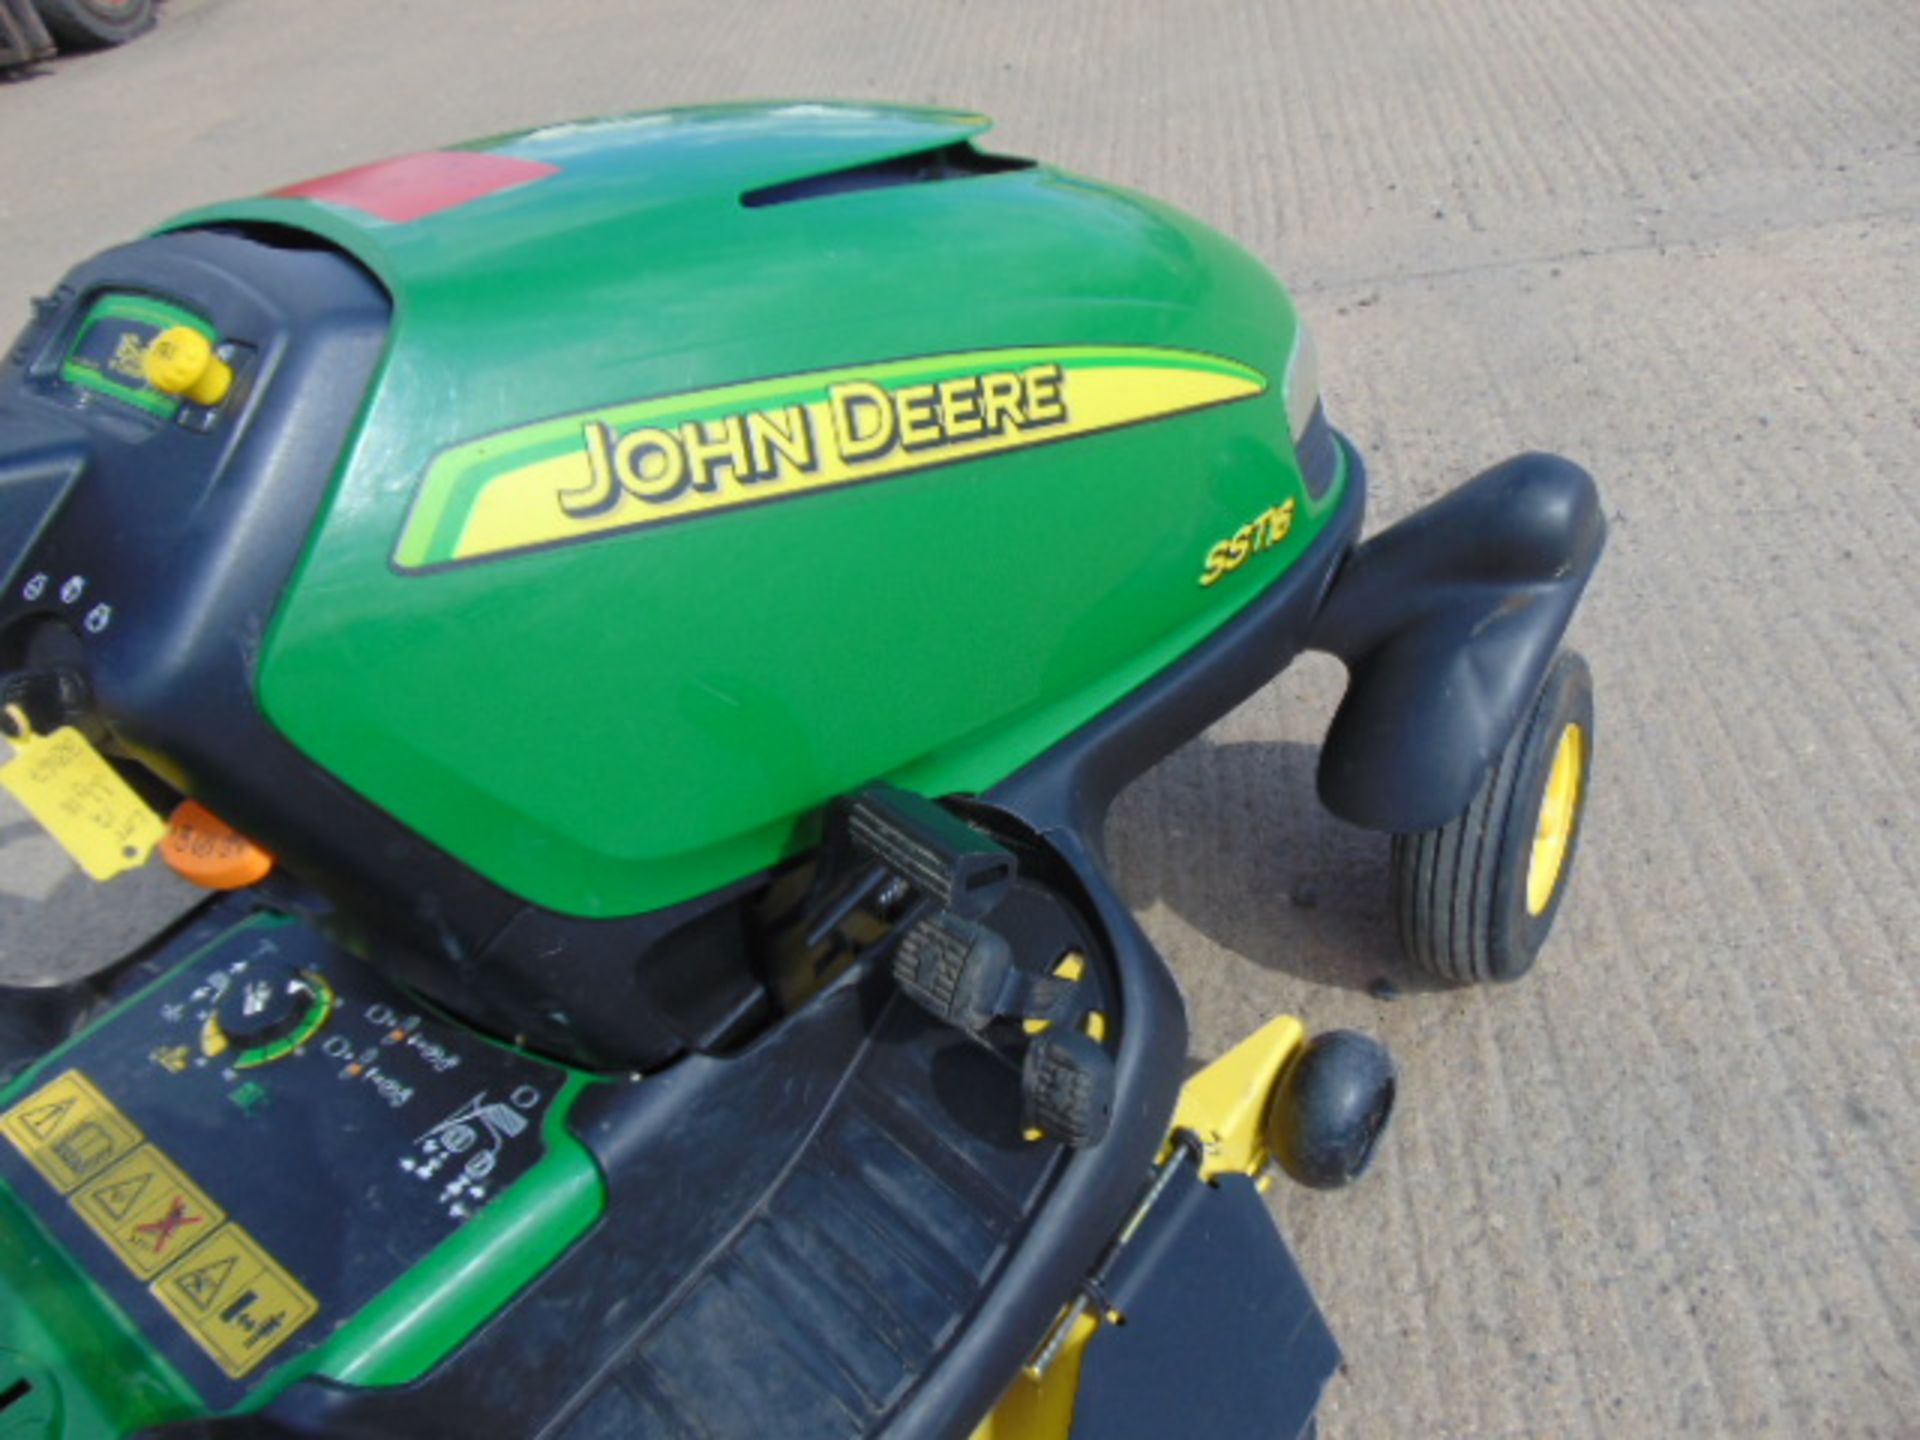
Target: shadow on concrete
pixel 1232 839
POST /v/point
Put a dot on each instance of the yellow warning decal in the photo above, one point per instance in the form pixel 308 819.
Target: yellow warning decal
pixel 69 1131
pixel 678 457
pixel 235 1300
pixel 80 799
pixel 214 1278
pixel 147 1211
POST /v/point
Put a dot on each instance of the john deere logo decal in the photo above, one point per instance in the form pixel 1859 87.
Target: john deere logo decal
pixel 680 456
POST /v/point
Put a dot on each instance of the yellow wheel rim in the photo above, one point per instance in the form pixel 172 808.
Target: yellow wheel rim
pixel 1559 808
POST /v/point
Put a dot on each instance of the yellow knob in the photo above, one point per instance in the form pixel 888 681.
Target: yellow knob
pixel 181 362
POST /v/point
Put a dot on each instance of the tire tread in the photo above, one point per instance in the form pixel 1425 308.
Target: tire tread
pixel 76 27
pixel 1447 888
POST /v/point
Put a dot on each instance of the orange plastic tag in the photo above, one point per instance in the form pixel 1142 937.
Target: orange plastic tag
pixel 81 800
pixel 203 848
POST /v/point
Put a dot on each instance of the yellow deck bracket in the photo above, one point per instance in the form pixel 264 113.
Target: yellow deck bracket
pixel 1226 1103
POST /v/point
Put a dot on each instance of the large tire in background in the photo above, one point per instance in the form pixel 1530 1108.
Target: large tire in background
pixel 1476 899
pixel 95 24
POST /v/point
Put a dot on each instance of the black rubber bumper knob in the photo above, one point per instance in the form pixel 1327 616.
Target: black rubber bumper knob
pixel 1330 1108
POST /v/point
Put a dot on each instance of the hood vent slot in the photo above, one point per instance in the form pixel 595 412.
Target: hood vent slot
pixel 949 162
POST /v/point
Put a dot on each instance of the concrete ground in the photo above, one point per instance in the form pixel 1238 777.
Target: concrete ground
pixel 1671 1184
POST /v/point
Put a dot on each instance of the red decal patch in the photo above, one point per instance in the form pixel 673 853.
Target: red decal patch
pixel 411 186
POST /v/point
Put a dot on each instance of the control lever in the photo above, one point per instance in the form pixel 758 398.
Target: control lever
pixel 954 964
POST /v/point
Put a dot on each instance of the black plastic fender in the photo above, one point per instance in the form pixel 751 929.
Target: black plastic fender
pixel 1447 622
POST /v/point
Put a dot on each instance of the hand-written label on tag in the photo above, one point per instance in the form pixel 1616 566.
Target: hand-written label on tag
pixel 84 804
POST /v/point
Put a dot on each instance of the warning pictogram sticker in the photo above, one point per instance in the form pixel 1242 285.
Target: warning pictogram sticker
pixel 69 1131
pixel 147 1210
pixel 235 1300
pixel 213 1277
pixel 201 1283
pixel 119 1198
pixel 43 1122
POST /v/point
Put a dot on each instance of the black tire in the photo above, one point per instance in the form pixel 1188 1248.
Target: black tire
pixel 95 24
pixel 1461 893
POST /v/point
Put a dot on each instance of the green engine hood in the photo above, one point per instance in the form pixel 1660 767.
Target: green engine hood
pixel 619 579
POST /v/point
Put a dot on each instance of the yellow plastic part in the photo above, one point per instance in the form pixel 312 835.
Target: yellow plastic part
pixel 1225 1105
pixel 70 789
pixel 180 361
pixel 1559 808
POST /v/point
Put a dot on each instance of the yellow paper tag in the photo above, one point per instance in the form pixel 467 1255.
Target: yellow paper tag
pixel 81 800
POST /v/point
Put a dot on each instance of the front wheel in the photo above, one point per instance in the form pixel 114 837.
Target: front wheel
pixel 95 24
pixel 1476 899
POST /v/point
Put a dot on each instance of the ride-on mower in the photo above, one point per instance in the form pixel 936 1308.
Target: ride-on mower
pixel 638 624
